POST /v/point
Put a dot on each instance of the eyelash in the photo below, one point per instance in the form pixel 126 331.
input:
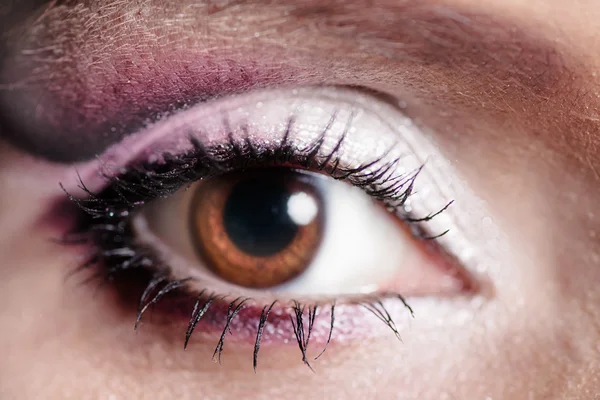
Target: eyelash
pixel 105 223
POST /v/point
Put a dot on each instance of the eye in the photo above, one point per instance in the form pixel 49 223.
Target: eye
pixel 258 229
pixel 289 231
pixel 265 209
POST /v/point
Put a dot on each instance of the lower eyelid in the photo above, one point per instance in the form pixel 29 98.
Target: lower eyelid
pixel 353 320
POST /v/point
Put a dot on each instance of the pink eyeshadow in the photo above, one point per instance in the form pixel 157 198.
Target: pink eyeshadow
pixel 75 119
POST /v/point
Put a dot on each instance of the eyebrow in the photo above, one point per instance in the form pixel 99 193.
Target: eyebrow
pixel 464 57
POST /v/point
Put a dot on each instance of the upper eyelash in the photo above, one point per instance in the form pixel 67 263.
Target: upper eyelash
pixel 148 181
pixel 108 213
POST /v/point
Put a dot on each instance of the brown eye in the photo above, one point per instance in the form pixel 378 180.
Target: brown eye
pixel 259 228
pixel 287 231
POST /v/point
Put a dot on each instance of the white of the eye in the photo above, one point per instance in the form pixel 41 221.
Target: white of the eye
pixel 302 208
pixel 362 247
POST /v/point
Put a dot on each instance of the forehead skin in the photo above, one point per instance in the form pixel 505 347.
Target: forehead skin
pixel 89 72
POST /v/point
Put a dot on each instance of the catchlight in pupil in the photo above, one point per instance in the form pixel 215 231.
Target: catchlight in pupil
pixel 258 228
pixel 256 217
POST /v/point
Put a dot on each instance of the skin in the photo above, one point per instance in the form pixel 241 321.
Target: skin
pixel 508 92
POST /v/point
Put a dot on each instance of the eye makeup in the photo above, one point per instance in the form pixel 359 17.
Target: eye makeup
pixel 262 118
pixel 341 133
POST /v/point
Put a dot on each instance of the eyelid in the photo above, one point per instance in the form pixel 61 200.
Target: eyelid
pixel 262 115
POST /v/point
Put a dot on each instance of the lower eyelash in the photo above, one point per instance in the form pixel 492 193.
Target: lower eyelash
pixel 125 259
pixel 106 224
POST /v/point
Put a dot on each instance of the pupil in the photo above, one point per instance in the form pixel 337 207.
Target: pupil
pixel 256 217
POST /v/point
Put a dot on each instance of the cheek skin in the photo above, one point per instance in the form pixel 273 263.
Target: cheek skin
pixel 495 349
pixel 548 208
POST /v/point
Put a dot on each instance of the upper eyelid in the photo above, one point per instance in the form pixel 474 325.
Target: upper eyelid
pixel 211 120
pixel 385 168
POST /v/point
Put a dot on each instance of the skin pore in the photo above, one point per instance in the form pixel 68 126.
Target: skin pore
pixel 507 91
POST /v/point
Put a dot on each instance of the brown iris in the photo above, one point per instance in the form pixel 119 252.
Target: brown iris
pixel 259 228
